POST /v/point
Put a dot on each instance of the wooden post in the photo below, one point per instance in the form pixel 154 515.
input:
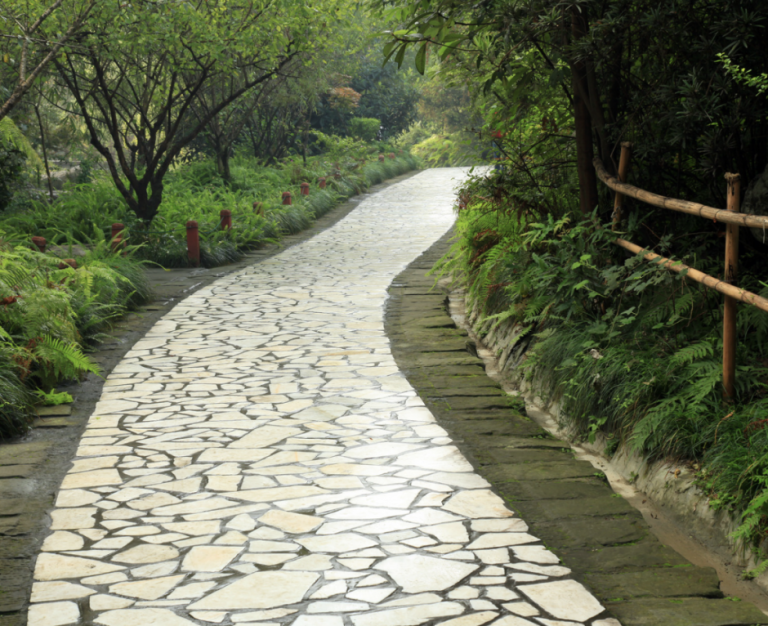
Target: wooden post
pixel 39 243
pixel 731 274
pixel 226 219
pixel 321 181
pixel 193 243
pixel 624 163
pixel 287 198
pixel 258 208
pixel 304 189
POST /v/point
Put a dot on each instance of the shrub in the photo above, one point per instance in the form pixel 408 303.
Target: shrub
pixel 364 128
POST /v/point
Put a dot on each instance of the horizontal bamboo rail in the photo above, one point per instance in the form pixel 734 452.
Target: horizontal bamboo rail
pixel 683 206
pixel 700 277
pixel 731 217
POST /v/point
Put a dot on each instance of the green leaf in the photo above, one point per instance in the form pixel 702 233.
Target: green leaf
pixel 421 58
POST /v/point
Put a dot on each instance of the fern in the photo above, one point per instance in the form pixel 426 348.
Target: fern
pixel 690 353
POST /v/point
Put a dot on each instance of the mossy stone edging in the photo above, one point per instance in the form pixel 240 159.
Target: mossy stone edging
pixel 566 502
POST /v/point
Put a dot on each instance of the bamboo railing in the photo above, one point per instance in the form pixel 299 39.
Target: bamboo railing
pixel 733 220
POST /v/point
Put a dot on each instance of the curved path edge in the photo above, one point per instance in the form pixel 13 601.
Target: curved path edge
pixel 566 502
pixel 259 458
pixel 32 467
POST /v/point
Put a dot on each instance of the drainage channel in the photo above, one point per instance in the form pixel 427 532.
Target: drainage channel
pixel 659 521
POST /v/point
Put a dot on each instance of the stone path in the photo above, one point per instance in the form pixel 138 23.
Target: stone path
pixel 258 458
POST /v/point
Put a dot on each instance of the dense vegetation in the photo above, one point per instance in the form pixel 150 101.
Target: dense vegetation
pixel 151 115
pixel 632 351
pixel 160 113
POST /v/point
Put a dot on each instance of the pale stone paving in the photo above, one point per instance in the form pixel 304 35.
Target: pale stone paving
pixel 258 458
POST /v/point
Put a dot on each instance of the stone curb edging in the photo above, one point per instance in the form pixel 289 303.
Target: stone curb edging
pixel 566 502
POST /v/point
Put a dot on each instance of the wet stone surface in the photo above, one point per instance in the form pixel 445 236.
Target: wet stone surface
pixel 44 456
pixel 259 458
pixel 566 503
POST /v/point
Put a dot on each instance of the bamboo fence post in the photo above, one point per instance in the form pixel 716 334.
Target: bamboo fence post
pixel 624 162
pixel 731 273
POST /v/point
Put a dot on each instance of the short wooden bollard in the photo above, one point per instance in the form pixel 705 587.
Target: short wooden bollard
pixel 381 157
pixel 287 198
pixel 226 219
pixel 193 243
pixel 304 189
pixel 321 182
pixel 731 273
pixel 116 239
pixel 68 263
pixel 258 208
pixel 391 155
pixel 39 243
pixel 624 162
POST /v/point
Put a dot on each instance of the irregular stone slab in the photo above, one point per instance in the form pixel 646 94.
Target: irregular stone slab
pixel 417 573
pixel 142 617
pixel 265 436
pixel 410 616
pixel 343 542
pixel 566 599
pixel 59 590
pixel 262 590
pixel 57 566
pixel 477 503
pixel 53 614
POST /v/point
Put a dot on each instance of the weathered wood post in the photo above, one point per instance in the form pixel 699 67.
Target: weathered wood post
pixel 258 208
pixel 226 219
pixel 193 243
pixel 321 181
pixel 731 274
pixel 624 162
pixel 304 189
pixel 287 198
pixel 39 243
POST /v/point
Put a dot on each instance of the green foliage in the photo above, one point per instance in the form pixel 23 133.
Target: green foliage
pixel 453 150
pixel 52 398
pixel 365 128
pixel 631 350
pixel 48 315
pixel 196 191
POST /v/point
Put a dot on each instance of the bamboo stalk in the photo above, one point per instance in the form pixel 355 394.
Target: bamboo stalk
pixel 731 273
pixel 683 206
pixel 624 162
pixel 741 295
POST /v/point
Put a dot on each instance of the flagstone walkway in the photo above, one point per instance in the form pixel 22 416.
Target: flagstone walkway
pixel 258 458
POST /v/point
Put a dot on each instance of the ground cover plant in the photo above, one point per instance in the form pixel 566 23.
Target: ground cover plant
pixel 50 312
pixel 631 350
pixel 196 191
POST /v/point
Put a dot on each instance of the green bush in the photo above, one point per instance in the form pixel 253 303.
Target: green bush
pixel 364 128
pixel 631 350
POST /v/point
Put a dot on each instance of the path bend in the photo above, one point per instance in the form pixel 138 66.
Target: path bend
pixel 258 458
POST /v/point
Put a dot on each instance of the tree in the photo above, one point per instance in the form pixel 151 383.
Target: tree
pixel 31 36
pixel 642 70
pixel 136 81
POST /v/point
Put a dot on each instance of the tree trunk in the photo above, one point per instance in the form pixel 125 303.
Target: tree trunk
pixel 583 123
pixel 222 164
pixel 45 150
